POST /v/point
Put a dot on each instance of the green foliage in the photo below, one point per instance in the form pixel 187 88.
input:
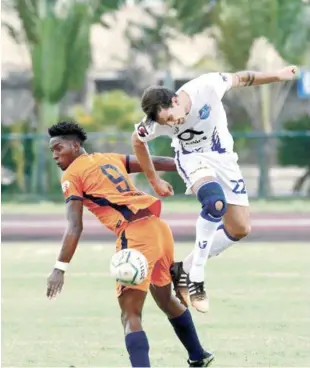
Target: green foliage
pixel 17 155
pixel 192 17
pixel 285 23
pixel 282 22
pixel 113 110
pixel 295 150
pixel 58 41
pixel 152 37
pixel 7 159
pixel 57 34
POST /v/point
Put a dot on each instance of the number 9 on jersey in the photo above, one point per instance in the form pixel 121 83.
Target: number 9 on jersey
pixel 129 267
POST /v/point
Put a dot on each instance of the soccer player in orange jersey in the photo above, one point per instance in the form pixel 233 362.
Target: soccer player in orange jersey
pixel 101 183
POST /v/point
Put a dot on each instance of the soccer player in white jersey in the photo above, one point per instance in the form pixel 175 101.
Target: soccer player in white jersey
pixel 195 119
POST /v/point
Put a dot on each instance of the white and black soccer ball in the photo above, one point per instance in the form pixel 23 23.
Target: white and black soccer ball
pixel 129 267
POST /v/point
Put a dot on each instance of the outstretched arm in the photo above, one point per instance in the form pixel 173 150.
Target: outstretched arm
pixel 250 78
pixel 160 164
pixel 70 242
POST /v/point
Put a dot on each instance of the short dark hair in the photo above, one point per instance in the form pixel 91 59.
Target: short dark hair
pixel 68 129
pixel 154 99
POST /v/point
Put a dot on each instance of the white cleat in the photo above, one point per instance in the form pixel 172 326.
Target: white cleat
pixel 198 296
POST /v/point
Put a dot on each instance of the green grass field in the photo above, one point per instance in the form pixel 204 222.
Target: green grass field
pixel 170 205
pixel 259 317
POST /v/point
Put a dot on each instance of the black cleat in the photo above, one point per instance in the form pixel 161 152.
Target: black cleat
pixel 206 361
pixel 198 296
pixel 180 282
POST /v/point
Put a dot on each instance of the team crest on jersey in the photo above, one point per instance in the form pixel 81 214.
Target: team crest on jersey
pixel 142 132
pixel 65 186
pixel 204 112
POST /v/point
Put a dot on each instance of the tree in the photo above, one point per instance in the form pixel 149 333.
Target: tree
pixel 57 35
pixel 150 38
pixel 190 17
pixel 113 111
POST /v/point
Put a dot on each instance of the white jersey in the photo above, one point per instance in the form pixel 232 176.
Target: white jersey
pixel 205 127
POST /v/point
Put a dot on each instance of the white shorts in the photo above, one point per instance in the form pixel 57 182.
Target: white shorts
pixel 224 167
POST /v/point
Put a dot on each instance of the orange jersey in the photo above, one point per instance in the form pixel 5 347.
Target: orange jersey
pixel 102 182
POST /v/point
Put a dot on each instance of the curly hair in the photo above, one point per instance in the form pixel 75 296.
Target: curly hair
pixel 68 129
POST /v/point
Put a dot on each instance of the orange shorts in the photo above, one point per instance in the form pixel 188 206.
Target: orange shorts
pixel 152 237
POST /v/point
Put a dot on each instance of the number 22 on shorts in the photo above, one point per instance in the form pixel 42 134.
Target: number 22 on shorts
pixel 239 186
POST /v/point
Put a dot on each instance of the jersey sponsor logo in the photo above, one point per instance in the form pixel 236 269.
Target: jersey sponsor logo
pixel 196 141
pixel 204 112
pixel 141 130
pixel 65 186
pixel 188 135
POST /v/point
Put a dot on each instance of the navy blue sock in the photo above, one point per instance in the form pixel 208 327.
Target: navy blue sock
pixel 185 329
pixel 138 349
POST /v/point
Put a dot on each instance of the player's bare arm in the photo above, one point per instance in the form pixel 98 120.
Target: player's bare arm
pixel 144 158
pixel 70 241
pixel 251 78
pixel 160 164
pixel 161 187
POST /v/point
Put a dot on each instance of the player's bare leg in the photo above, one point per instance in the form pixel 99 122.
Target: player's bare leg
pixel 213 203
pixel 183 325
pixel 131 302
pixel 237 221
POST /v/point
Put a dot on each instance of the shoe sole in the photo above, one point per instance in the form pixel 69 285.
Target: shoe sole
pixel 210 362
pixel 197 308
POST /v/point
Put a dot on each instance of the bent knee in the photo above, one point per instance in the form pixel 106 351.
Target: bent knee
pixel 244 231
pixel 239 231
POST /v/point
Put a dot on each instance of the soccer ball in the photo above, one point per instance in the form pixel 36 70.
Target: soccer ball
pixel 129 267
